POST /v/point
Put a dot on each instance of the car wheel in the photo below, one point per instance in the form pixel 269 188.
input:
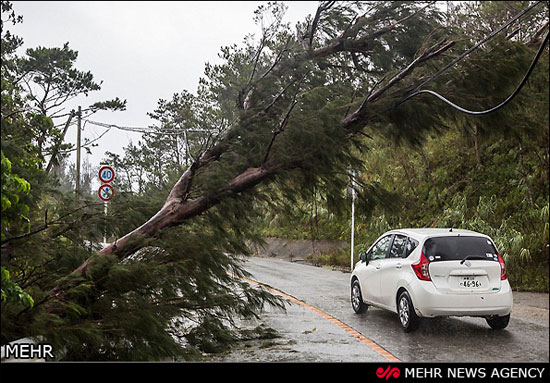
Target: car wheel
pixel 357 299
pixel 407 316
pixel 497 322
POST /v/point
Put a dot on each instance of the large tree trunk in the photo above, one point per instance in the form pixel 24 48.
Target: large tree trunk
pixel 178 208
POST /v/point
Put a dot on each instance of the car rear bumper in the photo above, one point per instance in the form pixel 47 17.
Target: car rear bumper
pixel 429 302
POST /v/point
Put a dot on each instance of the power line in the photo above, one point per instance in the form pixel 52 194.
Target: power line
pixel 476 46
pixel 151 130
pixel 487 111
pixel 416 91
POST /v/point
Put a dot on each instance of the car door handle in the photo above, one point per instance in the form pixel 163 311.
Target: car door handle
pixel 398 266
pixel 378 267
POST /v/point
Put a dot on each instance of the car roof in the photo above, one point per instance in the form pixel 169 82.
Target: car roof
pixel 440 232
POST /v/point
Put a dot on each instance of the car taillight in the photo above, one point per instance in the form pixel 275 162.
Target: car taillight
pixel 421 268
pixel 503 275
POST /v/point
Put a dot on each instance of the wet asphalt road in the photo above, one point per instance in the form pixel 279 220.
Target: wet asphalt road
pixel 308 336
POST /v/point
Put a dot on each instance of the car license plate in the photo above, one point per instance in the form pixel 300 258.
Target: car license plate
pixel 469 283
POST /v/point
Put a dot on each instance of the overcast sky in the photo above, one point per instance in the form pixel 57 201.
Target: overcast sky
pixel 142 51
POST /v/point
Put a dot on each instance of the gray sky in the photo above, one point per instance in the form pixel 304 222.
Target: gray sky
pixel 142 51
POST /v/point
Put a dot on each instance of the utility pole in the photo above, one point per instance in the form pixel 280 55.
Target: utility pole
pixel 353 174
pixel 79 126
pixel 352 225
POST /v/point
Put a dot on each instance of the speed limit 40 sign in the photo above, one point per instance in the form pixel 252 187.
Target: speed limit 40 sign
pixel 106 174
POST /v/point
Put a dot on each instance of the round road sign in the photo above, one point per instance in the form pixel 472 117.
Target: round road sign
pixel 106 174
pixel 106 192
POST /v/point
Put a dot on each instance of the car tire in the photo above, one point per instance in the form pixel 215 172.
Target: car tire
pixel 357 298
pixel 406 313
pixel 498 322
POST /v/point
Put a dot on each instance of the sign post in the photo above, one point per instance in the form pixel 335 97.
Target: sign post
pixel 353 174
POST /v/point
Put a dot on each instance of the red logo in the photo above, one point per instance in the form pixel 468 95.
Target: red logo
pixel 388 372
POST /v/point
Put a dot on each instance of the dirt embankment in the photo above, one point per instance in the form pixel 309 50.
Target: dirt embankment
pixel 297 250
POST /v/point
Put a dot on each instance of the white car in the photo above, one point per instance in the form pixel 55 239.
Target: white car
pixel 433 272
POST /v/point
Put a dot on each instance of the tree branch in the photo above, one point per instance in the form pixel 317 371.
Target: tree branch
pixel 348 41
pixel 56 148
pixel 320 9
pixel 279 130
pixel 48 223
pixel 355 118
pixel 429 53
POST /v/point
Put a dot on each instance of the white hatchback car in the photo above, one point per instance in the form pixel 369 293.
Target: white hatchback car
pixel 433 272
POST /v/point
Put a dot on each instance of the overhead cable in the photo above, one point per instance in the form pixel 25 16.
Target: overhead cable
pixel 476 46
pixel 151 130
pixel 487 111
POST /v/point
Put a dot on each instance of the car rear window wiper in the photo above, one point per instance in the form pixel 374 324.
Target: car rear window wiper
pixel 471 257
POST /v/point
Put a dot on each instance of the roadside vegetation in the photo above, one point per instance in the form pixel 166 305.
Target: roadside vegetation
pixel 273 131
pixel 441 184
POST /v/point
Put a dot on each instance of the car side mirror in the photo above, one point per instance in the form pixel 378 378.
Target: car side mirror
pixel 363 257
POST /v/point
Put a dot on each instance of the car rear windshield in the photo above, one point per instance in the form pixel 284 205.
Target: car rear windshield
pixel 458 248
